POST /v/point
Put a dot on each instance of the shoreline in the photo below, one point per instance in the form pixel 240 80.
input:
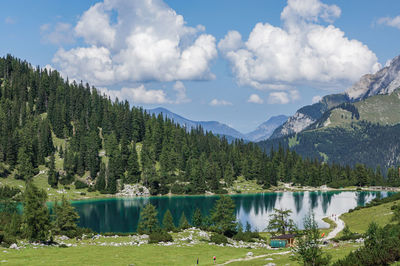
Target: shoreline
pixel 278 190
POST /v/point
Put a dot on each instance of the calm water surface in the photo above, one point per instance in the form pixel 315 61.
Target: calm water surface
pixel 122 214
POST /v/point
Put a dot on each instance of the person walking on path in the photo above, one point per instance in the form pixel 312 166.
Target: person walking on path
pixel 215 258
pixel 197 261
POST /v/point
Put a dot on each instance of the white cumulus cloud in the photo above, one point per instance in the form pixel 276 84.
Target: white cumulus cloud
pixel 180 90
pixel 254 98
pixel 59 33
pixel 301 52
pixel 216 102
pixel 316 99
pixel 134 41
pixel 139 95
pixel 283 97
pixel 392 22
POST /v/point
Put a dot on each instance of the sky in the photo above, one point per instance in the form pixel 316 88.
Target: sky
pixel 236 62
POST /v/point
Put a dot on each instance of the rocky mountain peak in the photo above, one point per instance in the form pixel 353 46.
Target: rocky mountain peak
pixel 385 81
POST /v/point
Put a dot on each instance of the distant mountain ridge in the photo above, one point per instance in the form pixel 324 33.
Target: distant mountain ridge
pixel 213 126
pixel 262 132
pixel 265 130
pixel 385 81
pixel 361 125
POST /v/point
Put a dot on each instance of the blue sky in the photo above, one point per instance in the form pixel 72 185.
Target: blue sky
pixel 237 62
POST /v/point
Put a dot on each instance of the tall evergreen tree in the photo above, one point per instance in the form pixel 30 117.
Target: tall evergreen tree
pixel 223 215
pixel 183 222
pixel 101 179
pixel 148 222
pixel 66 218
pixel 168 222
pixel 197 219
pixel 133 171
pixel 52 177
pixel 36 218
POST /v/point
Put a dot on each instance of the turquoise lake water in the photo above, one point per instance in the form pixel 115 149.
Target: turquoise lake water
pixel 122 214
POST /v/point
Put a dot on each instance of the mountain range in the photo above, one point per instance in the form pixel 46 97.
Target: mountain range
pixel 361 125
pixel 262 132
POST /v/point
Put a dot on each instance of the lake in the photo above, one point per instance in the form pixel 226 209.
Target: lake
pixel 122 214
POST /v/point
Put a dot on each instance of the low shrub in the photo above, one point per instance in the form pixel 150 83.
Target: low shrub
pixel 218 239
pixel 79 184
pixel 177 189
pixel 159 236
pixel 221 191
pixel 116 234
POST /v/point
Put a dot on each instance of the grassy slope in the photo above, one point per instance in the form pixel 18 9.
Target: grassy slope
pixel 376 109
pixel 149 254
pixel 359 220
pixel 143 255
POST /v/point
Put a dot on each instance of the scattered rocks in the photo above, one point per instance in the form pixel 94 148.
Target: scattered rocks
pixel 270 264
pixel 14 246
pixel 136 190
pixel 63 238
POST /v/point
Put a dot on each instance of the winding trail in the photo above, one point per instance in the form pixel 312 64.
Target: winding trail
pixel 254 257
pixel 339 227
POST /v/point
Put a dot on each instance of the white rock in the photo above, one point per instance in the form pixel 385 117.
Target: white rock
pixel 14 246
pixel 249 254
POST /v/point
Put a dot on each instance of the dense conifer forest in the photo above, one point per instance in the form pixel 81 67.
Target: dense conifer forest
pixel 118 144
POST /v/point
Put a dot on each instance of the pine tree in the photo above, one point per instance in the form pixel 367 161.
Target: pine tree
pixel 280 222
pixel 133 175
pixel 197 219
pixel 25 166
pixel 168 222
pixel 36 219
pixel 183 223
pixel 223 215
pixel 66 218
pixel 148 222
pixel 307 250
pixel 52 178
pixel 101 179
pixel 229 175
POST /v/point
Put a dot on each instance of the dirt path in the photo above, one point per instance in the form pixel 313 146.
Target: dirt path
pixel 255 257
pixel 339 227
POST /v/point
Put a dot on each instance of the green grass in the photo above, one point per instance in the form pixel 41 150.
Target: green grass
pixel 332 225
pixel 151 254
pixel 358 221
pixel 293 141
pixel 245 186
pixel 125 255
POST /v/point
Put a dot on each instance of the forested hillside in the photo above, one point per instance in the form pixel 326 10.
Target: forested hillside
pixel 367 131
pixel 84 138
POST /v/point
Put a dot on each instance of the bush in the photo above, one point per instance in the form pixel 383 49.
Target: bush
pixel 116 234
pixel 84 231
pixel 159 236
pixel 7 192
pixel 221 191
pixel 218 239
pixel 83 194
pixel 177 189
pixel 243 236
pixel 79 184
pixel 91 189
pixel 8 240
